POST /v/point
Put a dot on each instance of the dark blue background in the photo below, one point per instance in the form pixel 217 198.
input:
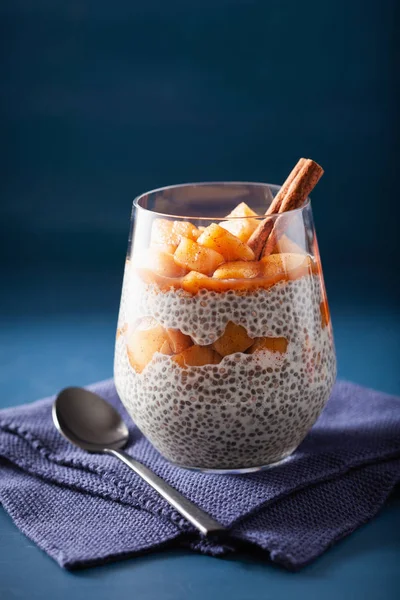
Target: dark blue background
pixel 102 100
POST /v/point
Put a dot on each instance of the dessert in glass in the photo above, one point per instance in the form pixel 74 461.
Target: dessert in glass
pixel 224 352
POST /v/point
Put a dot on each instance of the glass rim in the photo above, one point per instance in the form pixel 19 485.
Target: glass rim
pixel 137 200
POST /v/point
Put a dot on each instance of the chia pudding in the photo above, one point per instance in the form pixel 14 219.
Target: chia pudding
pixel 224 352
pixel 224 409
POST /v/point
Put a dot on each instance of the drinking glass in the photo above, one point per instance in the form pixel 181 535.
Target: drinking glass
pixel 224 362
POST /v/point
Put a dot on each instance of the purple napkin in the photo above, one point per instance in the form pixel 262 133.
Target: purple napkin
pixel 85 509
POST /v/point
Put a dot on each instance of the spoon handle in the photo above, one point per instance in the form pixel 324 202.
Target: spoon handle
pixel 200 519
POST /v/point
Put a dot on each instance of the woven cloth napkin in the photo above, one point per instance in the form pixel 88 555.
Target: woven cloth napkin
pixel 85 509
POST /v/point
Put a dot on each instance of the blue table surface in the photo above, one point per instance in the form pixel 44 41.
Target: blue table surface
pixel 57 329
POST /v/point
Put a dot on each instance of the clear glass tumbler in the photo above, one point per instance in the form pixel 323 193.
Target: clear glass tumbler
pixel 224 362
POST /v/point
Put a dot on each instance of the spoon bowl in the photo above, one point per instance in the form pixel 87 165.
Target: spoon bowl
pixel 88 421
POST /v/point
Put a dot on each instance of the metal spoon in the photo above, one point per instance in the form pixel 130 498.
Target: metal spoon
pixel 88 421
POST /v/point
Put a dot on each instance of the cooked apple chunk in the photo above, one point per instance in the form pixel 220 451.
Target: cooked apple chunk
pixel 241 228
pixel 287 266
pixel 197 356
pixel 286 245
pixel 225 243
pixel 160 262
pixel 238 269
pixel 167 234
pixel 178 341
pixel 242 210
pixel 194 257
pixel 234 339
pixel 193 282
pixel 147 338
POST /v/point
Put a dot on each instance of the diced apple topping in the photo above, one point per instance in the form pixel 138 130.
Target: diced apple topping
pixel 286 245
pixel 225 243
pixel 163 283
pixel 161 233
pixel 241 228
pixel 197 356
pixel 234 339
pixel 239 269
pixel 194 257
pixel 167 234
pixel 185 229
pixel 273 344
pixel 193 282
pixel 242 210
pixel 213 258
pixel 284 267
pixel 160 262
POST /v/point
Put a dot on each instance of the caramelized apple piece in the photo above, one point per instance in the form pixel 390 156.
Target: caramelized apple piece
pixel 325 314
pixel 167 248
pixel 231 278
pixel 178 341
pixel 164 283
pixel 241 228
pixel 146 339
pixel 242 210
pixel 286 245
pixel 197 356
pixel 273 344
pixel 167 234
pixel 234 339
pixel 239 269
pixel 160 262
pixel 194 257
pixel 166 348
pixel 284 267
pixel 193 282
pixel 185 229
pixel 161 233
pixel 218 239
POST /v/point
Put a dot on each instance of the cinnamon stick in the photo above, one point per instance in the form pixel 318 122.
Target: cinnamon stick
pixel 296 194
pixel 277 201
pixel 293 193
pixel 300 188
pixel 259 237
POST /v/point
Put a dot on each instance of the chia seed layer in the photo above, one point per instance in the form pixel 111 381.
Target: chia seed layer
pixel 273 312
pixel 249 410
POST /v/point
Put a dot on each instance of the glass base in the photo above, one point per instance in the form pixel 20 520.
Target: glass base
pixel 241 471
